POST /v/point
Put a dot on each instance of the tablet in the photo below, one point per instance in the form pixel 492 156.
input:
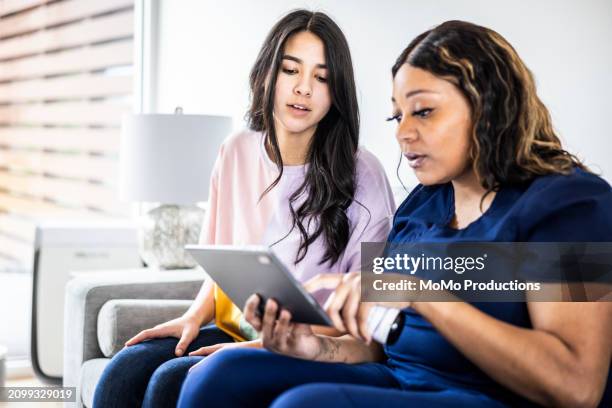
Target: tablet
pixel 241 271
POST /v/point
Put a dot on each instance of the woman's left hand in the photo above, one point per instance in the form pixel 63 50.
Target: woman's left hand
pixel 208 350
pixel 278 333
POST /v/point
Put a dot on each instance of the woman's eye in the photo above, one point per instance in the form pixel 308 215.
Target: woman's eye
pixel 423 113
pixel 289 71
pixel 321 79
pixel 397 117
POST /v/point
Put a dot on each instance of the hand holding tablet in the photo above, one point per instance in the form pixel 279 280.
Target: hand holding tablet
pixel 243 271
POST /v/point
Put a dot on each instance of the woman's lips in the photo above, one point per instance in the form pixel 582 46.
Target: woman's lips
pixel 298 110
pixel 415 160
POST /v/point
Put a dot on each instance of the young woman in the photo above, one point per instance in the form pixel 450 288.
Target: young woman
pixel 296 181
pixel 491 169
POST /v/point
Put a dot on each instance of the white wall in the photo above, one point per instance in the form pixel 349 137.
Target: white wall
pixel 206 49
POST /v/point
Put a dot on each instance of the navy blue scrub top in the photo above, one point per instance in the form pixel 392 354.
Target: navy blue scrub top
pixel 553 208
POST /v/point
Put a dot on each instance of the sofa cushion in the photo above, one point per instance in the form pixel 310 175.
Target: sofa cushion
pixel 91 371
pixel 120 319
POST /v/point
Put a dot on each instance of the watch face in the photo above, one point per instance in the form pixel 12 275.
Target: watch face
pixel 396 329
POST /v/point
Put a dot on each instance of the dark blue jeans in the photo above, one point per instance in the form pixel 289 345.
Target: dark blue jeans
pixel 257 378
pixel 149 374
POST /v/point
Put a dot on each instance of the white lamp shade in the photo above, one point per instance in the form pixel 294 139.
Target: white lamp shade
pixel 169 158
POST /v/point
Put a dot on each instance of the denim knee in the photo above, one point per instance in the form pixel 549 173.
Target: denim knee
pixel 124 380
pixel 165 383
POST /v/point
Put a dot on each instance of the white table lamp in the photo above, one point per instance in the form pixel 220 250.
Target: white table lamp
pixel 167 159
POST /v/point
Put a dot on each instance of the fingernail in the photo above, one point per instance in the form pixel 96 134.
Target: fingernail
pixel 179 351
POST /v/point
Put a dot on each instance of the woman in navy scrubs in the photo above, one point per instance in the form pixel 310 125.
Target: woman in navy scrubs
pixel 491 168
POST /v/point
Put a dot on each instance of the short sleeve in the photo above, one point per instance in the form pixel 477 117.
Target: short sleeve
pixel 571 208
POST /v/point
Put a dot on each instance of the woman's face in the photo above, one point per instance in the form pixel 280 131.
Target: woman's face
pixel 301 97
pixel 434 124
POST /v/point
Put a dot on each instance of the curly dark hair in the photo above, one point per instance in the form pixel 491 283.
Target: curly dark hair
pixel 329 185
pixel 512 138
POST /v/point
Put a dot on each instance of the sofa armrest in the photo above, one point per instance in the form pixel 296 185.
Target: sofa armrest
pixel 121 319
pixel 88 292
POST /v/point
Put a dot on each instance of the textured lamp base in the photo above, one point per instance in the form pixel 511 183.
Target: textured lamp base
pixel 164 232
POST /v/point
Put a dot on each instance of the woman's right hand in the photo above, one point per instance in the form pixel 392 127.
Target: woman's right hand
pixel 184 328
pixel 344 306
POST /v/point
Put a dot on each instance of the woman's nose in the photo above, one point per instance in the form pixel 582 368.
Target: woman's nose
pixel 406 132
pixel 303 88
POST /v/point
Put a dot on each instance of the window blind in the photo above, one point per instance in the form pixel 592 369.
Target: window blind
pixel 66 78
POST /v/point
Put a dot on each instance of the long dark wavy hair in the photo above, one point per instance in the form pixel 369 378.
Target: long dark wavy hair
pixel 329 184
pixel 512 137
